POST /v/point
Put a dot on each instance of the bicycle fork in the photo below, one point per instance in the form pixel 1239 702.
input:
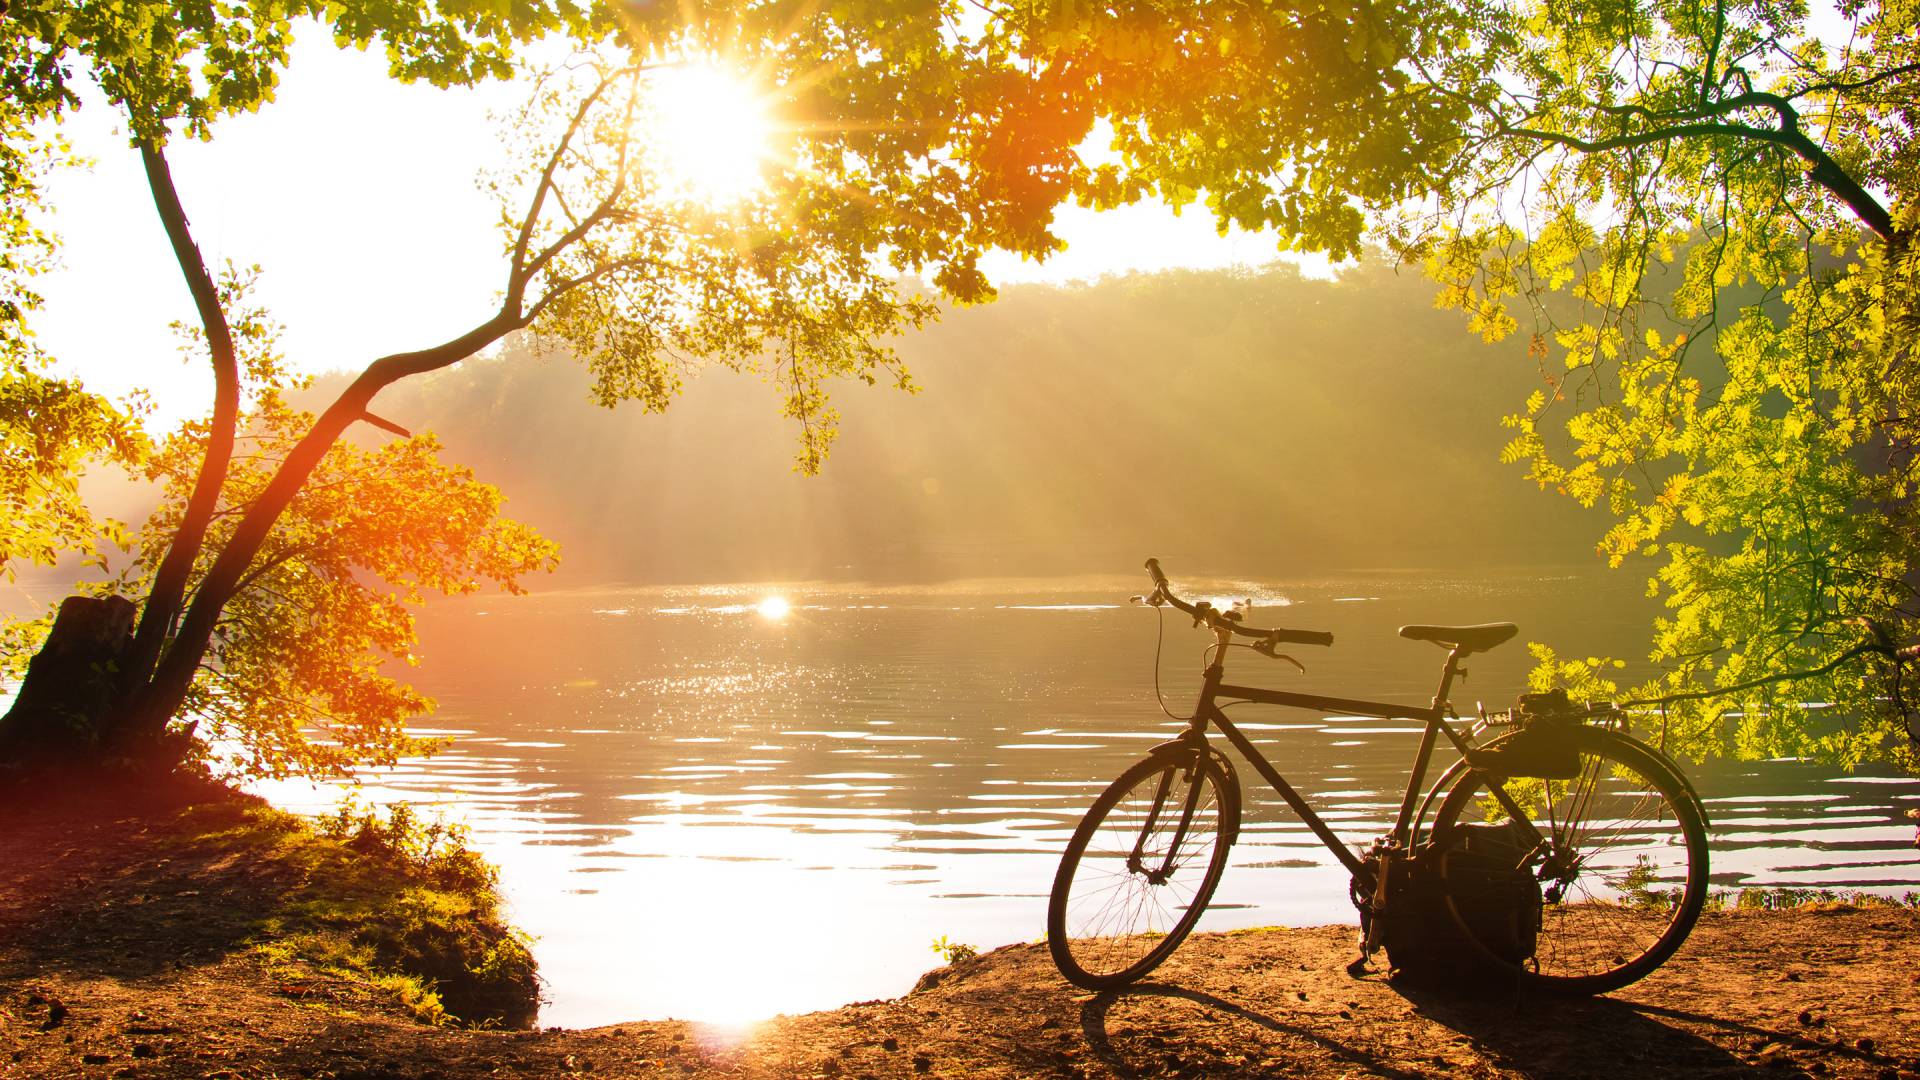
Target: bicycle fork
pixel 1136 862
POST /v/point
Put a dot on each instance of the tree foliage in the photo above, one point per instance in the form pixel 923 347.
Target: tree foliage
pixel 1701 213
pixel 50 428
pixel 303 646
pixel 641 283
pixel 181 67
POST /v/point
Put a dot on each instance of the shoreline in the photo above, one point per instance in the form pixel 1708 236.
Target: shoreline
pixel 121 958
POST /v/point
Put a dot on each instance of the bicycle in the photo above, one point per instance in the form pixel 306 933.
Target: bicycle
pixel 1614 852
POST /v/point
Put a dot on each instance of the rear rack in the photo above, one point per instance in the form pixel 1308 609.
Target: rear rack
pixel 1601 714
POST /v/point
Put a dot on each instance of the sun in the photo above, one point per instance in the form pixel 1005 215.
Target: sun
pixel 708 131
pixel 774 608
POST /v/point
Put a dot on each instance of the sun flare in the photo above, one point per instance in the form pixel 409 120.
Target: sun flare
pixel 775 608
pixel 708 132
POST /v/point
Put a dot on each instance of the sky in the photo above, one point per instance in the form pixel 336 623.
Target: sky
pixel 357 196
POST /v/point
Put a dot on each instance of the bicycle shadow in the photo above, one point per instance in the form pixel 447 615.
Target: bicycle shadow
pixel 1147 1055
pixel 1588 1037
pixel 1577 1036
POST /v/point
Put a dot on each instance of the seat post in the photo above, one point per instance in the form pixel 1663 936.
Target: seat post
pixel 1452 668
pixel 1417 776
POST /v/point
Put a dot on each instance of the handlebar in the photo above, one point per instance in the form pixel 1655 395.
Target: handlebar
pixel 1159 579
pixel 1215 619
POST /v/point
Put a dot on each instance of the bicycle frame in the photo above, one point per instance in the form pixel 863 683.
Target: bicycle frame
pixel 1434 717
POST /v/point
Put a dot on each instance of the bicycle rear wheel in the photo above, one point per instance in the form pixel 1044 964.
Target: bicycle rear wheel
pixel 1622 870
pixel 1140 869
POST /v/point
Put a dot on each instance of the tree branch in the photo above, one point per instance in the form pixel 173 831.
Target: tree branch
pixel 385 424
pixel 602 212
pixel 1713 50
pixel 1857 84
pixel 1824 171
pixel 516 278
pixel 566 285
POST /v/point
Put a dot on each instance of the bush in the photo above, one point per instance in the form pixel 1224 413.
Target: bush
pixel 407 903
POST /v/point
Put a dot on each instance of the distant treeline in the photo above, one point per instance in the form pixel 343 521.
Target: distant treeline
pixel 1244 421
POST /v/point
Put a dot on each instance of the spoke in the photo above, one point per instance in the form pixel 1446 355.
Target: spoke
pixel 1589 787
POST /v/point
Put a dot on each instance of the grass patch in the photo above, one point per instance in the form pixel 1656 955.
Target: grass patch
pixel 953 952
pixel 1805 899
pixel 397 903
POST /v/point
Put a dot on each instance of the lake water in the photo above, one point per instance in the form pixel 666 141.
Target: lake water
pixel 706 810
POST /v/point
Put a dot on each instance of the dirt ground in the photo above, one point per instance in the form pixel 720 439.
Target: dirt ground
pixel 119 958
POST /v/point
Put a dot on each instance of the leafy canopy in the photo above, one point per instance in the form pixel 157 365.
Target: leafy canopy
pixel 190 64
pixel 1701 213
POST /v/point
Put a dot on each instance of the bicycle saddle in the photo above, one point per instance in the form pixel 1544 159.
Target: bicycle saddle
pixel 1468 639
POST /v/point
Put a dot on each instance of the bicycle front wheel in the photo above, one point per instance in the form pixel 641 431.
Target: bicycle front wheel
pixel 1622 866
pixel 1141 868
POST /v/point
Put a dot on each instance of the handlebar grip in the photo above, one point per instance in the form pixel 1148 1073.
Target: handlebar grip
pixel 1306 637
pixel 1153 570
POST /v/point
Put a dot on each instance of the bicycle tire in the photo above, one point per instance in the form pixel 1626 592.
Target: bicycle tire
pixel 1109 921
pixel 1623 879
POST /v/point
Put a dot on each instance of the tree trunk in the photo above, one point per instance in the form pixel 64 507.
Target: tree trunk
pixel 62 712
pixel 166 596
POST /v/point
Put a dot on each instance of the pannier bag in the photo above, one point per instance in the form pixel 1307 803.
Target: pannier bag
pixel 1499 902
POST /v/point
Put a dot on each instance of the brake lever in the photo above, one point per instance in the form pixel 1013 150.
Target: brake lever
pixel 1270 647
